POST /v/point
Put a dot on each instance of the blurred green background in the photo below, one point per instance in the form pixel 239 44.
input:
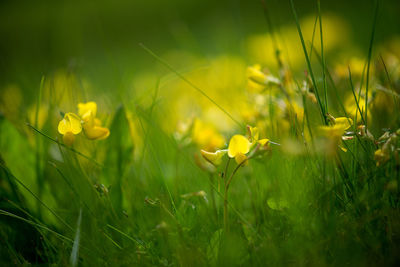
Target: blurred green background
pixel 101 37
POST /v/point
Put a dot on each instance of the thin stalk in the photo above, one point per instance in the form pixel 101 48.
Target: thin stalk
pixel 323 58
pixel 39 174
pixel 272 32
pixel 369 59
pixel 227 183
pixel 322 109
pixel 213 196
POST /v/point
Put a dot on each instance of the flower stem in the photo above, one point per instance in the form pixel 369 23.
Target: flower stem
pixel 227 183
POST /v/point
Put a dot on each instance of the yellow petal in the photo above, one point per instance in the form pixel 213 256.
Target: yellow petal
pixel 331 132
pixel 97 122
pixel 64 126
pixel 89 119
pixel 213 157
pixel 255 74
pixel 85 107
pixel 241 158
pixel 343 122
pixel 68 138
pixel 70 123
pixel 75 122
pixel 263 142
pixel 96 132
pixel 254 133
pixel 238 144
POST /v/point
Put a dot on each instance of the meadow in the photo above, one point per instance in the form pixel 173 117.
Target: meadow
pixel 263 134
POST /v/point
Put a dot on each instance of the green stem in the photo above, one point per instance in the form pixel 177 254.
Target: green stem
pixel 213 196
pixel 227 183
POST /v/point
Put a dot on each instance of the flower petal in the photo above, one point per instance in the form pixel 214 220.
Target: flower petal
pixel 263 142
pixel 68 138
pixel 64 126
pixel 241 158
pixel 85 107
pixel 70 123
pixel 238 144
pixel 96 132
pixel 213 157
pixel 254 133
pixel 75 122
pixel 343 123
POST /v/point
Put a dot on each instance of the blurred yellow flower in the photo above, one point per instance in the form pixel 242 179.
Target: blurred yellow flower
pixel 84 108
pixel 206 136
pixel 91 124
pixel 254 134
pixel 335 132
pixel 214 157
pixel 92 127
pixel 356 66
pixel 258 80
pixel 69 126
pixel 381 156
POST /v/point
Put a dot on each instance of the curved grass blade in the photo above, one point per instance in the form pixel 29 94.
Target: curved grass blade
pixel 166 64
pixel 63 145
pixel 75 247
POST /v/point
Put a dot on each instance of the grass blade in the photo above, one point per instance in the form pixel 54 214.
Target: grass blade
pixel 166 64
pixel 322 109
pixel 75 247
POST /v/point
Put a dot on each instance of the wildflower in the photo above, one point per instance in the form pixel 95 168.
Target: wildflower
pixel 92 127
pixel 257 80
pixel 214 158
pixel 238 147
pixel 388 146
pixel 336 131
pixel 206 136
pixel 365 133
pixel 356 109
pixel 306 91
pixel 381 156
pixel 69 126
pixel 254 134
pixel 86 107
pixel 91 124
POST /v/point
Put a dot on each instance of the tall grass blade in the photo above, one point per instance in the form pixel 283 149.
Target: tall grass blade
pixel 75 248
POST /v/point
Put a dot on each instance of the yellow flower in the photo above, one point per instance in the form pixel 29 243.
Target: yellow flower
pixel 336 131
pixel 86 107
pixel 213 157
pixel 340 125
pixel 92 127
pixel 258 80
pixel 91 124
pixel 255 74
pixel 238 147
pixel 343 123
pixel 69 126
pixel 254 134
pixel 381 156
pixel 206 136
